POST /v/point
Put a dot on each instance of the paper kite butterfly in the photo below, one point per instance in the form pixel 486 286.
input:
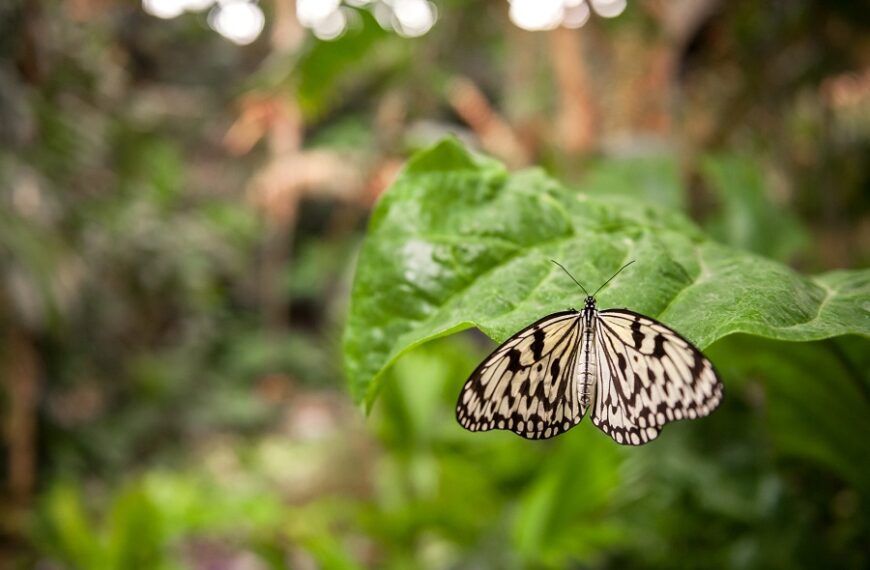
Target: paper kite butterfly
pixel 633 372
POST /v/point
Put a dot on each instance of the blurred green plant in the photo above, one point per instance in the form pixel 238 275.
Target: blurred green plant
pixel 748 218
pixel 69 534
pixel 325 69
pixel 653 179
pixel 145 521
pixel 816 399
pixel 442 497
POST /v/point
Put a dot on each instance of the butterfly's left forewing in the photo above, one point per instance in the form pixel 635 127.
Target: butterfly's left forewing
pixel 649 375
pixel 526 385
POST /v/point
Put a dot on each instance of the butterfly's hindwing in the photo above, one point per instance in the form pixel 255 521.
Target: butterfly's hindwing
pixel 527 384
pixel 649 375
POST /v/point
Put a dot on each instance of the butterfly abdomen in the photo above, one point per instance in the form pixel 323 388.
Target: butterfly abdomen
pixel 587 368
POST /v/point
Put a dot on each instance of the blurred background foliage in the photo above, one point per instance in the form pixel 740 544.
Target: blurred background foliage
pixel 179 216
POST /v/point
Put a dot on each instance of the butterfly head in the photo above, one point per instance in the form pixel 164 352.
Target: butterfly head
pixel 590 299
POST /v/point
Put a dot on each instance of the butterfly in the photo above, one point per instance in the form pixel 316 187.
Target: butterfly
pixel 633 372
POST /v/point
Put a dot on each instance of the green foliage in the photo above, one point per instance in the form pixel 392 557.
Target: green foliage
pixel 816 399
pixel 748 218
pixel 443 497
pixel 144 522
pixel 327 66
pixel 458 242
pixel 132 537
pixel 652 179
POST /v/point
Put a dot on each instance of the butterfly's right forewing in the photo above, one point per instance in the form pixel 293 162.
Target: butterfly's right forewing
pixel 527 384
pixel 649 376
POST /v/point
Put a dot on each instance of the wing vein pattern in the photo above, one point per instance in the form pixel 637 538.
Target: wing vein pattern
pixel 648 376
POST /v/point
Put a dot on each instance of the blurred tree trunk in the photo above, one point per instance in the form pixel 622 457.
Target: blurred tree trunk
pixel 276 118
pixel 577 121
pixel 20 374
pixel 287 33
pixel 495 133
pixel 19 370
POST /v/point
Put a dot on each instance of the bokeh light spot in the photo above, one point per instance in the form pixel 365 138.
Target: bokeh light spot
pixel 535 15
pixel 310 12
pixel 576 16
pixel 331 27
pixel 414 17
pixel 609 8
pixel 239 21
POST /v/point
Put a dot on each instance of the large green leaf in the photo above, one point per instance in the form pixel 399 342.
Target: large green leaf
pixel 458 242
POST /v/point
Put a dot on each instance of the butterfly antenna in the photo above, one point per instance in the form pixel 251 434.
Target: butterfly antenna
pixel 571 276
pixel 614 275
